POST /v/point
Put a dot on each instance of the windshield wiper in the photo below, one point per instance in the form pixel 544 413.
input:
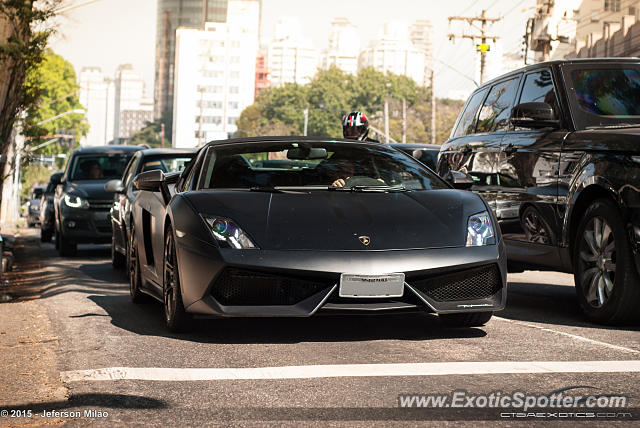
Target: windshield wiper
pixel 619 126
pixel 381 188
pixel 276 189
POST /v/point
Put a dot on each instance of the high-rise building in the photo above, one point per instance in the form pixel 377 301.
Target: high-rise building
pixel 394 52
pixel 94 92
pixel 174 14
pixel 291 58
pixel 131 109
pixel 262 75
pixel 215 75
pixel 344 46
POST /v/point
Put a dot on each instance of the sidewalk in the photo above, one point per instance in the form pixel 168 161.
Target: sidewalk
pixel 28 373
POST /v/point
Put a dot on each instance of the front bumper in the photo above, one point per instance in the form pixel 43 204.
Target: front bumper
pixel 84 226
pixel 303 283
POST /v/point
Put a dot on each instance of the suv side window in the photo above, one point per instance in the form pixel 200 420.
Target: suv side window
pixel 466 124
pixel 494 115
pixel 538 87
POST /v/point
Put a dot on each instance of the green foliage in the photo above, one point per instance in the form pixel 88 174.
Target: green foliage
pixel 150 135
pixel 33 175
pixel 54 82
pixel 333 93
pixel 23 38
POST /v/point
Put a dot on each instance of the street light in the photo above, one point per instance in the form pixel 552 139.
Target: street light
pixel 76 111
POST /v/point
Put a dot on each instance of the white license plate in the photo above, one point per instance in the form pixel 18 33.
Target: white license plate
pixel 388 285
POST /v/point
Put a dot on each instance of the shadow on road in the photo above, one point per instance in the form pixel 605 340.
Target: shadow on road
pixel 82 401
pixel 148 320
pixel 548 304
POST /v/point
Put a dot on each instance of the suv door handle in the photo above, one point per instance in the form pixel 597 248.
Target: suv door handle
pixel 509 149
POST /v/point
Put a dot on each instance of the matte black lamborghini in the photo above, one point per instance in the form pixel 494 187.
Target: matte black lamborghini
pixel 295 226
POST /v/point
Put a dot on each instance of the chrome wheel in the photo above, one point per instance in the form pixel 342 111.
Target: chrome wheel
pixel 597 261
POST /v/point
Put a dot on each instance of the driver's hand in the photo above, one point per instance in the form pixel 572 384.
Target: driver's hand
pixel 338 183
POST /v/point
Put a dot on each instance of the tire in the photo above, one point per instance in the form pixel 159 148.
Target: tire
pixel 45 235
pixel 468 319
pixel 66 248
pixel 118 260
pixel 176 317
pixel 607 283
pixel 135 278
pixel 536 228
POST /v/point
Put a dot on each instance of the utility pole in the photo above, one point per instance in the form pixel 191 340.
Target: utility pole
pixel 162 135
pixel 483 47
pixel 306 120
pixel 404 120
pixel 433 110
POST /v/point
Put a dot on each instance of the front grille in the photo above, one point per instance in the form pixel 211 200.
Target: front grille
pixel 245 287
pixel 100 204
pixel 468 284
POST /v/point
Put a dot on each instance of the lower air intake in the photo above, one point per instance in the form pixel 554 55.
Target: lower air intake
pixel 468 284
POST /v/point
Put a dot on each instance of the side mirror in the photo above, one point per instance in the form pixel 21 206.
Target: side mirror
pixel 156 181
pixel 534 115
pixel 56 178
pixel 114 186
pixel 459 179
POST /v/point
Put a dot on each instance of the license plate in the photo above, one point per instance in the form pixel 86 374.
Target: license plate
pixel 388 285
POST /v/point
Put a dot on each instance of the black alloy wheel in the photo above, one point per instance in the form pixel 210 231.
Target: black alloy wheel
pixel 117 260
pixel 605 275
pixel 176 317
pixel 135 279
pixel 535 227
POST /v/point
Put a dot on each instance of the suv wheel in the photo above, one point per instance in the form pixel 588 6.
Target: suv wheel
pixel 135 279
pixel 117 260
pixel 469 319
pixel 176 317
pixel 65 248
pixel 607 283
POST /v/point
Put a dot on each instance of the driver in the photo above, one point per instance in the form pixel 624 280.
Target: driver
pixel 355 126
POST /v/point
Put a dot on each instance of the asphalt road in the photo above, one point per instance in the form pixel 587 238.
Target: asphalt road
pixel 98 327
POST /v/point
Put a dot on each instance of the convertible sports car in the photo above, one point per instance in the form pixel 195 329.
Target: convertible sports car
pixel 294 226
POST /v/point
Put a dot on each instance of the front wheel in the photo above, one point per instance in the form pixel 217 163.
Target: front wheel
pixel 468 319
pixel 607 284
pixel 117 260
pixel 176 317
pixel 45 235
pixel 135 279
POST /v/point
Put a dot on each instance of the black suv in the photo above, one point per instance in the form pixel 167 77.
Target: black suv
pixel 555 150
pixel 81 203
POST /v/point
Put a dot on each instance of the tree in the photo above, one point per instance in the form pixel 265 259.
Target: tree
pixel 21 50
pixel 150 135
pixel 54 83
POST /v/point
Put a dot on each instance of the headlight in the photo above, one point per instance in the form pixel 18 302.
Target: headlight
pixel 228 234
pixel 480 230
pixel 74 201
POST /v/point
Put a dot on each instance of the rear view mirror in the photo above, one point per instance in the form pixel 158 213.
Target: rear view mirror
pixel 306 153
pixel 114 186
pixel 156 181
pixel 534 115
pixel 459 179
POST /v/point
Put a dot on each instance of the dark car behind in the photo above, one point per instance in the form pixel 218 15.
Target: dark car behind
pixel 554 148
pixel 81 203
pixel 165 160
pixel 33 207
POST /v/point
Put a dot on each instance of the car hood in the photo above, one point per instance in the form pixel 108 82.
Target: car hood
pixel 335 220
pixel 93 189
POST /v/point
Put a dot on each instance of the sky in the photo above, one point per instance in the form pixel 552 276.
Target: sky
pixel 112 32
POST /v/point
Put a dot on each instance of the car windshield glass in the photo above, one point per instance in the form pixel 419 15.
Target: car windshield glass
pixel 99 166
pixel 166 163
pixel 605 97
pixel 315 165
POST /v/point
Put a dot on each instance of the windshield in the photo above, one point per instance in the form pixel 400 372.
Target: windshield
pixel 604 96
pixel 166 164
pixel 345 166
pixel 99 166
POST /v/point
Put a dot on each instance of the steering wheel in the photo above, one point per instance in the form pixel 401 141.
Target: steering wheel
pixel 362 180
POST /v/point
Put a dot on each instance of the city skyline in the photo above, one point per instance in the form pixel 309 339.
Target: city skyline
pixel 89 39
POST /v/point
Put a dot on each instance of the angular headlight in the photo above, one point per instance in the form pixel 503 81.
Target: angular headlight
pixel 480 230
pixel 74 201
pixel 228 234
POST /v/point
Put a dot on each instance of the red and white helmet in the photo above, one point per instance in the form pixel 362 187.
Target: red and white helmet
pixel 355 125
